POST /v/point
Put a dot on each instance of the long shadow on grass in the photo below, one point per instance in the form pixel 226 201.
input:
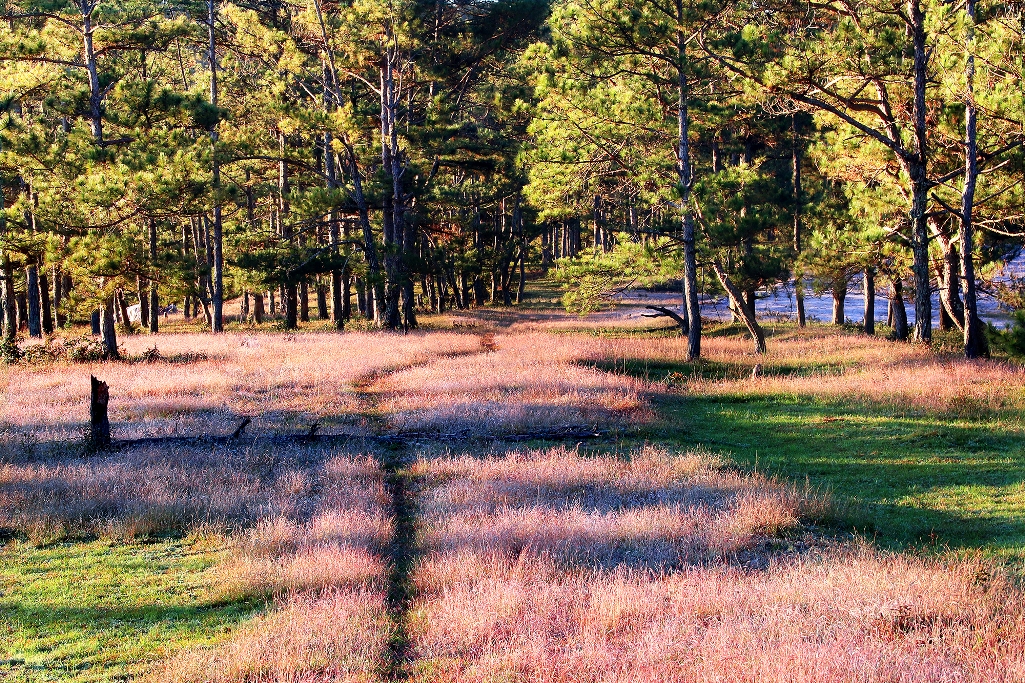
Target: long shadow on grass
pixel 44 631
pixel 913 479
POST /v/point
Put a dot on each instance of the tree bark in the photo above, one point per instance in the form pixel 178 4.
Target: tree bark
pixel 10 311
pixel 99 423
pixel 45 303
pixel 795 161
pixel 974 335
pixel 217 290
pixel 686 180
pixel 108 335
pixel 322 312
pixel 900 315
pixel 154 301
pixel 304 301
pixel 32 297
pixel 258 311
pixel 917 172
pixel 839 290
pixel 143 294
pixel 870 300
pixel 737 300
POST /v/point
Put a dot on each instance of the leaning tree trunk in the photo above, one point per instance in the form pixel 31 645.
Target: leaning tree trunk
pixel 737 300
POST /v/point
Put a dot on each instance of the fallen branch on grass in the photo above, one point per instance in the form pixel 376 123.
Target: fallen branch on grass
pixel 575 432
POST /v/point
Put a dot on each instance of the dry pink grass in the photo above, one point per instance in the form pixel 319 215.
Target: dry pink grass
pixel 653 511
pixel 545 600
pixel 339 636
pixel 842 367
pixel 532 381
pixel 278 380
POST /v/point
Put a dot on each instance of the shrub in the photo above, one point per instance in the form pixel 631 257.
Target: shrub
pixel 1010 340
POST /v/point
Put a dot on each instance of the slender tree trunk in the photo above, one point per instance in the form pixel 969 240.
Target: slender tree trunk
pixel 870 300
pixel 58 297
pixel 900 315
pixel 974 335
pixel 258 311
pixel 737 299
pixel 32 296
pixel 686 180
pixel 154 300
pixel 839 290
pixel 122 311
pixel 10 311
pixel 795 159
pixel 108 335
pixel 44 303
pixel 217 289
pixel 322 312
pixel 140 283
pixel 948 281
pixel 304 301
pixel 917 171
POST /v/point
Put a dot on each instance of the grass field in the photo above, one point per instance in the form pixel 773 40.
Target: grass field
pixel 515 497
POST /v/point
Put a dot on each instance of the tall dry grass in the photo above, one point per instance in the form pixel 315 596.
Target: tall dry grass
pixel 281 381
pixel 304 526
pixel 841 367
pixel 544 567
pixel 528 382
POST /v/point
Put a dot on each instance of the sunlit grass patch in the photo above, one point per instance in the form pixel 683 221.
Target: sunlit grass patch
pixel 94 611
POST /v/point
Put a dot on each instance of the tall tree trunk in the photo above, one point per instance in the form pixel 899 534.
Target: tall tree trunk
pixel 795 160
pixel 10 311
pixel 737 300
pixel 44 303
pixel 839 290
pixel 870 300
pixel 108 335
pixel 154 301
pixel 948 280
pixel 917 171
pixel 686 181
pixel 258 310
pixel 122 311
pixel 900 315
pixel 974 335
pixel 304 301
pixel 32 296
pixel 58 297
pixel 140 283
pixel 217 289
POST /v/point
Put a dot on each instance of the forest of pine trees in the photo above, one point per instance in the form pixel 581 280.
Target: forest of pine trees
pixel 383 158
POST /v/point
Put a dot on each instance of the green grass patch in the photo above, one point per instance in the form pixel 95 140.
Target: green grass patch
pixel 905 477
pixel 102 611
pixel 913 480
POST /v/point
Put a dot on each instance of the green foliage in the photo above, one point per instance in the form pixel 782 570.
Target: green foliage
pixel 1011 340
pixel 590 281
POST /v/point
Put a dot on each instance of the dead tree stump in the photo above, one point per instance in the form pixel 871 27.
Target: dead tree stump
pixel 99 424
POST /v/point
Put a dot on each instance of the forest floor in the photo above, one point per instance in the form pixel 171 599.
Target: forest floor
pixel 515 495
